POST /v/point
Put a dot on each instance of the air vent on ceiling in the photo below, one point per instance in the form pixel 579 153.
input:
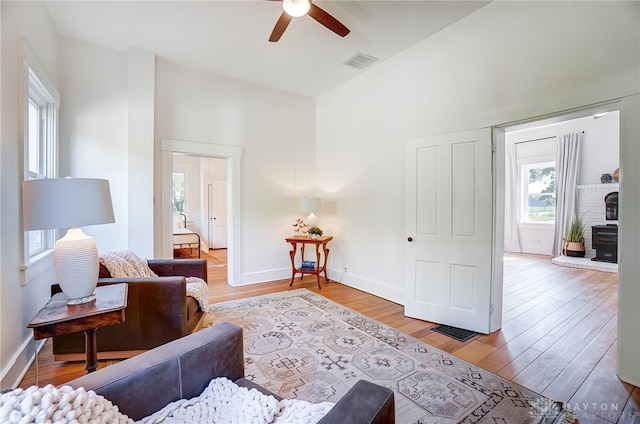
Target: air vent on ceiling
pixel 360 60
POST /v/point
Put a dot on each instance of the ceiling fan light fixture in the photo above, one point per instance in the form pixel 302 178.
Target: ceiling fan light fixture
pixel 296 8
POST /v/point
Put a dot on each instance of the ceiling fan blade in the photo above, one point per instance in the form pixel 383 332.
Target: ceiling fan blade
pixel 327 20
pixel 281 25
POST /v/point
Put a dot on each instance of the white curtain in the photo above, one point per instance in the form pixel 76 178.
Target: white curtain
pixel 511 201
pixel 567 172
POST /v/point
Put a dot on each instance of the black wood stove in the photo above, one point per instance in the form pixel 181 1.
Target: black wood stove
pixel 604 238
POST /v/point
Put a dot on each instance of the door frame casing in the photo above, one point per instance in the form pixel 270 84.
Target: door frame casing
pixel 497 253
pixel 232 154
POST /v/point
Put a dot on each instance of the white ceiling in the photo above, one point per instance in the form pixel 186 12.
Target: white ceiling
pixel 230 38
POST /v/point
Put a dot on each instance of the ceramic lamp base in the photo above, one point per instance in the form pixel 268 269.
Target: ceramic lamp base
pixel 77 265
pixel 312 220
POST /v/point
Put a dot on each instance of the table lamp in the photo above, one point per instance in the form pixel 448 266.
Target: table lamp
pixel 310 205
pixel 70 203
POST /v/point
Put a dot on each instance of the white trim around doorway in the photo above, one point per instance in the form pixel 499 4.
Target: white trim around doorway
pixel 232 154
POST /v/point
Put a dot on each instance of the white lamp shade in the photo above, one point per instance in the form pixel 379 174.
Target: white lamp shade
pixel 310 204
pixel 65 203
pixel 70 203
pixel 296 8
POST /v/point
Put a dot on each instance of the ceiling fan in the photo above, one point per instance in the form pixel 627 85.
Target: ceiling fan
pixel 297 8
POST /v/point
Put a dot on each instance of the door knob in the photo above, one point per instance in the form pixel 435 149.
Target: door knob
pixel 409 239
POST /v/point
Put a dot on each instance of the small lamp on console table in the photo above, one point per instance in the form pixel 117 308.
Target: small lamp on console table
pixel 310 205
pixel 71 203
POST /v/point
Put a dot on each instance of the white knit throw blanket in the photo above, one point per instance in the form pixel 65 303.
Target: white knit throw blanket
pixel 225 402
pixel 52 404
pixel 126 264
pixel 221 402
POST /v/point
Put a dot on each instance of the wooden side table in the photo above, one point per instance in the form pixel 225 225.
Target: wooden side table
pixel 56 318
pixel 320 266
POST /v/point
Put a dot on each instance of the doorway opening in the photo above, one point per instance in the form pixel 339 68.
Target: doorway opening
pixel 531 162
pixel 199 205
pixel 202 198
pixel 525 158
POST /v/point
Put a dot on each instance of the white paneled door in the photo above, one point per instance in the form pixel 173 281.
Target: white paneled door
pixel 449 229
pixel 218 215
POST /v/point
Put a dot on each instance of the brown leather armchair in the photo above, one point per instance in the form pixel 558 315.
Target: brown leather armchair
pixel 158 311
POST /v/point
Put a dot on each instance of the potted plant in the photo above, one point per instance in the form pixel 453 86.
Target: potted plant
pixel 314 232
pixel 574 240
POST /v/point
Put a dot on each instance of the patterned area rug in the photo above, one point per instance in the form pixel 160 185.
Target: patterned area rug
pixel 302 345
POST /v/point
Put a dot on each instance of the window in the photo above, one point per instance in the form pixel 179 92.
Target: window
pixel 178 192
pixel 40 103
pixel 40 143
pixel 539 192
pixel 184 198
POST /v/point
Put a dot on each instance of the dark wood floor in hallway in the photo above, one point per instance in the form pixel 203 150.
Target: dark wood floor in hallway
pixel 558 335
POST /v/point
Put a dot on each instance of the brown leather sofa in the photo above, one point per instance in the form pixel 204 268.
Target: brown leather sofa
pixel 158 311
pixel 183 368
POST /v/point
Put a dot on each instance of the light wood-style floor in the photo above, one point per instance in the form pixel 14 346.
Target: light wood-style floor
pixel 558 336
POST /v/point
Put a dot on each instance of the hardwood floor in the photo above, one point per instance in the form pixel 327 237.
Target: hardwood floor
pixel 558 335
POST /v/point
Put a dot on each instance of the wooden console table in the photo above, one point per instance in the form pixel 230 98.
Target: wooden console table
pixel 320 266
pixel 56 318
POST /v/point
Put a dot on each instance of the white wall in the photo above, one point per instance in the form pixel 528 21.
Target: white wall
pixel 18 304
pixel 216 170
pixel 94 128
pixel 507 62
pixel 106 131
pixel 601 148
pixel 276 132
pixel 140 169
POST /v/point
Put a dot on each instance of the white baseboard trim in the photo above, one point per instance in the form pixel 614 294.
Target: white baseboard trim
pixel 536 250
pixel 15 370
pixel 262 277
pixel 376 288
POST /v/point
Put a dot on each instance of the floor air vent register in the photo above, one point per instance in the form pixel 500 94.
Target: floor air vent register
pixel 455 333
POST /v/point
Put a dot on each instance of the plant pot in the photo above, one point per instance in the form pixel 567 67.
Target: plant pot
pixel 574 249
pixel 314 236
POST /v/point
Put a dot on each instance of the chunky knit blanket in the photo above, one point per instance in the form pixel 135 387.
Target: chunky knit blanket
pixel 126 264
pixel 225 402
pixel 221 402
pixel 51 404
